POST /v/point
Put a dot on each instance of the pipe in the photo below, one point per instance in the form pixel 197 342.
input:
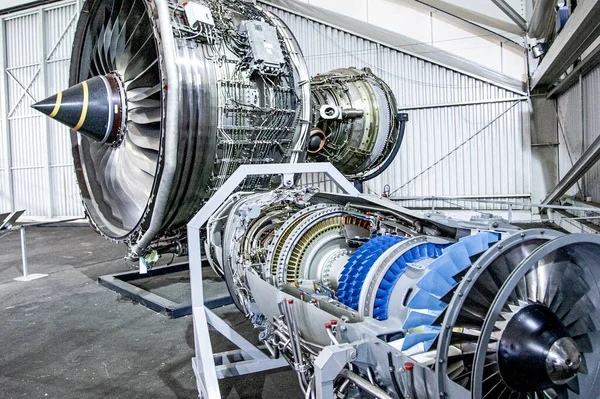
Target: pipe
pixel 171 129
pixel 364 384
pixel 410 380
pixel 294 333
pixel 393 376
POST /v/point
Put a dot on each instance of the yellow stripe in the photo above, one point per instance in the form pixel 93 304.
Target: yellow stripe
pixel 85 106
pixel 57 106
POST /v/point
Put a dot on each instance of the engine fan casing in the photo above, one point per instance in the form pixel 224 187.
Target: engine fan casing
pixel 198 102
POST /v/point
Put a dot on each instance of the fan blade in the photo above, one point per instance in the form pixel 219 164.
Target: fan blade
pixel 137 184
pixel 555 278
pixel 584 344
pixel 145 116
pixel 144 136
pixel 532 284
pixel 147 103
pixel 143 92
pixel 573 385
pixel 126 205
pixel 147 78
pixel 108 191
pixel 145 160
pixel 572 289
pixel 498 385
pixel 131 22
pixel 145 56
pixel 139 34
pixel 583 307
pixel 584 325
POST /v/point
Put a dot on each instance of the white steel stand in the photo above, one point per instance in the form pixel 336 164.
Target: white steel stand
pixel 210 367
pixel 26 275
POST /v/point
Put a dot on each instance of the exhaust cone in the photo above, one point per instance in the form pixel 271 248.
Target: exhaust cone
pixel 93 108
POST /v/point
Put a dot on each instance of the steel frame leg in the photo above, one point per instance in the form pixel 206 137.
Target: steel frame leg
pixel 26 275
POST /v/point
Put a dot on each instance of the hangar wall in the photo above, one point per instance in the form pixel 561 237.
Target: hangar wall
pixel 465 138
pixel 36 169
pixel 578 127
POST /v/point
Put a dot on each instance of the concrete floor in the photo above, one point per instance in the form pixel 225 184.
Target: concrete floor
pixel 65 336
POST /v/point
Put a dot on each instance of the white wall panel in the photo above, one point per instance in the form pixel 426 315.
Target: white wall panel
pixel 37 169
pixel 579 126
pixel 591 112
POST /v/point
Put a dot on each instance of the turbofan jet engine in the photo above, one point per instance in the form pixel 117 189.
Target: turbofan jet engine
pixel 168 99
pixel 367 299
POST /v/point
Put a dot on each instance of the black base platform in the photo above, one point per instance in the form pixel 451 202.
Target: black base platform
pixel 123 283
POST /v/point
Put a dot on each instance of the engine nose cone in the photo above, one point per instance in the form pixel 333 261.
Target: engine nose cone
pixel 94 108
pixel 563 361
pixel 536 352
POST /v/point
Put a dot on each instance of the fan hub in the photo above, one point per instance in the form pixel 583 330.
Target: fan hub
pixel 536 352
pixel 563 361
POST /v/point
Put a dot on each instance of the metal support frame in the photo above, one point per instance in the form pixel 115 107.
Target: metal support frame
pixel 122 283
pixel 588 159
pixel 511 13
pixel 7 222
pixel 577 35
pixel 26 276
pixel 472 17
pixel 585 66
pixel 251 358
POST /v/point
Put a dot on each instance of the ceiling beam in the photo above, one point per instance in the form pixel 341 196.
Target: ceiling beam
pixel 511 13
pixel 581 30
pixel 586 65
pixel 473 17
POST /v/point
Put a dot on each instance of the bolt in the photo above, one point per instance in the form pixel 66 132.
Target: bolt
pixel 352 354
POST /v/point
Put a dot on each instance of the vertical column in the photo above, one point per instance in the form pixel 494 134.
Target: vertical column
pixel 41 23
pixel 4 114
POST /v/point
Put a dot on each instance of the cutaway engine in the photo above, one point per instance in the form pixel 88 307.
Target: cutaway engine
pixel 472 312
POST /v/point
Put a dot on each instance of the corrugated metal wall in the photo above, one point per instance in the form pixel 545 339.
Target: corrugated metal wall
pixel 579 126
pixel 479 150
pixel 36 166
